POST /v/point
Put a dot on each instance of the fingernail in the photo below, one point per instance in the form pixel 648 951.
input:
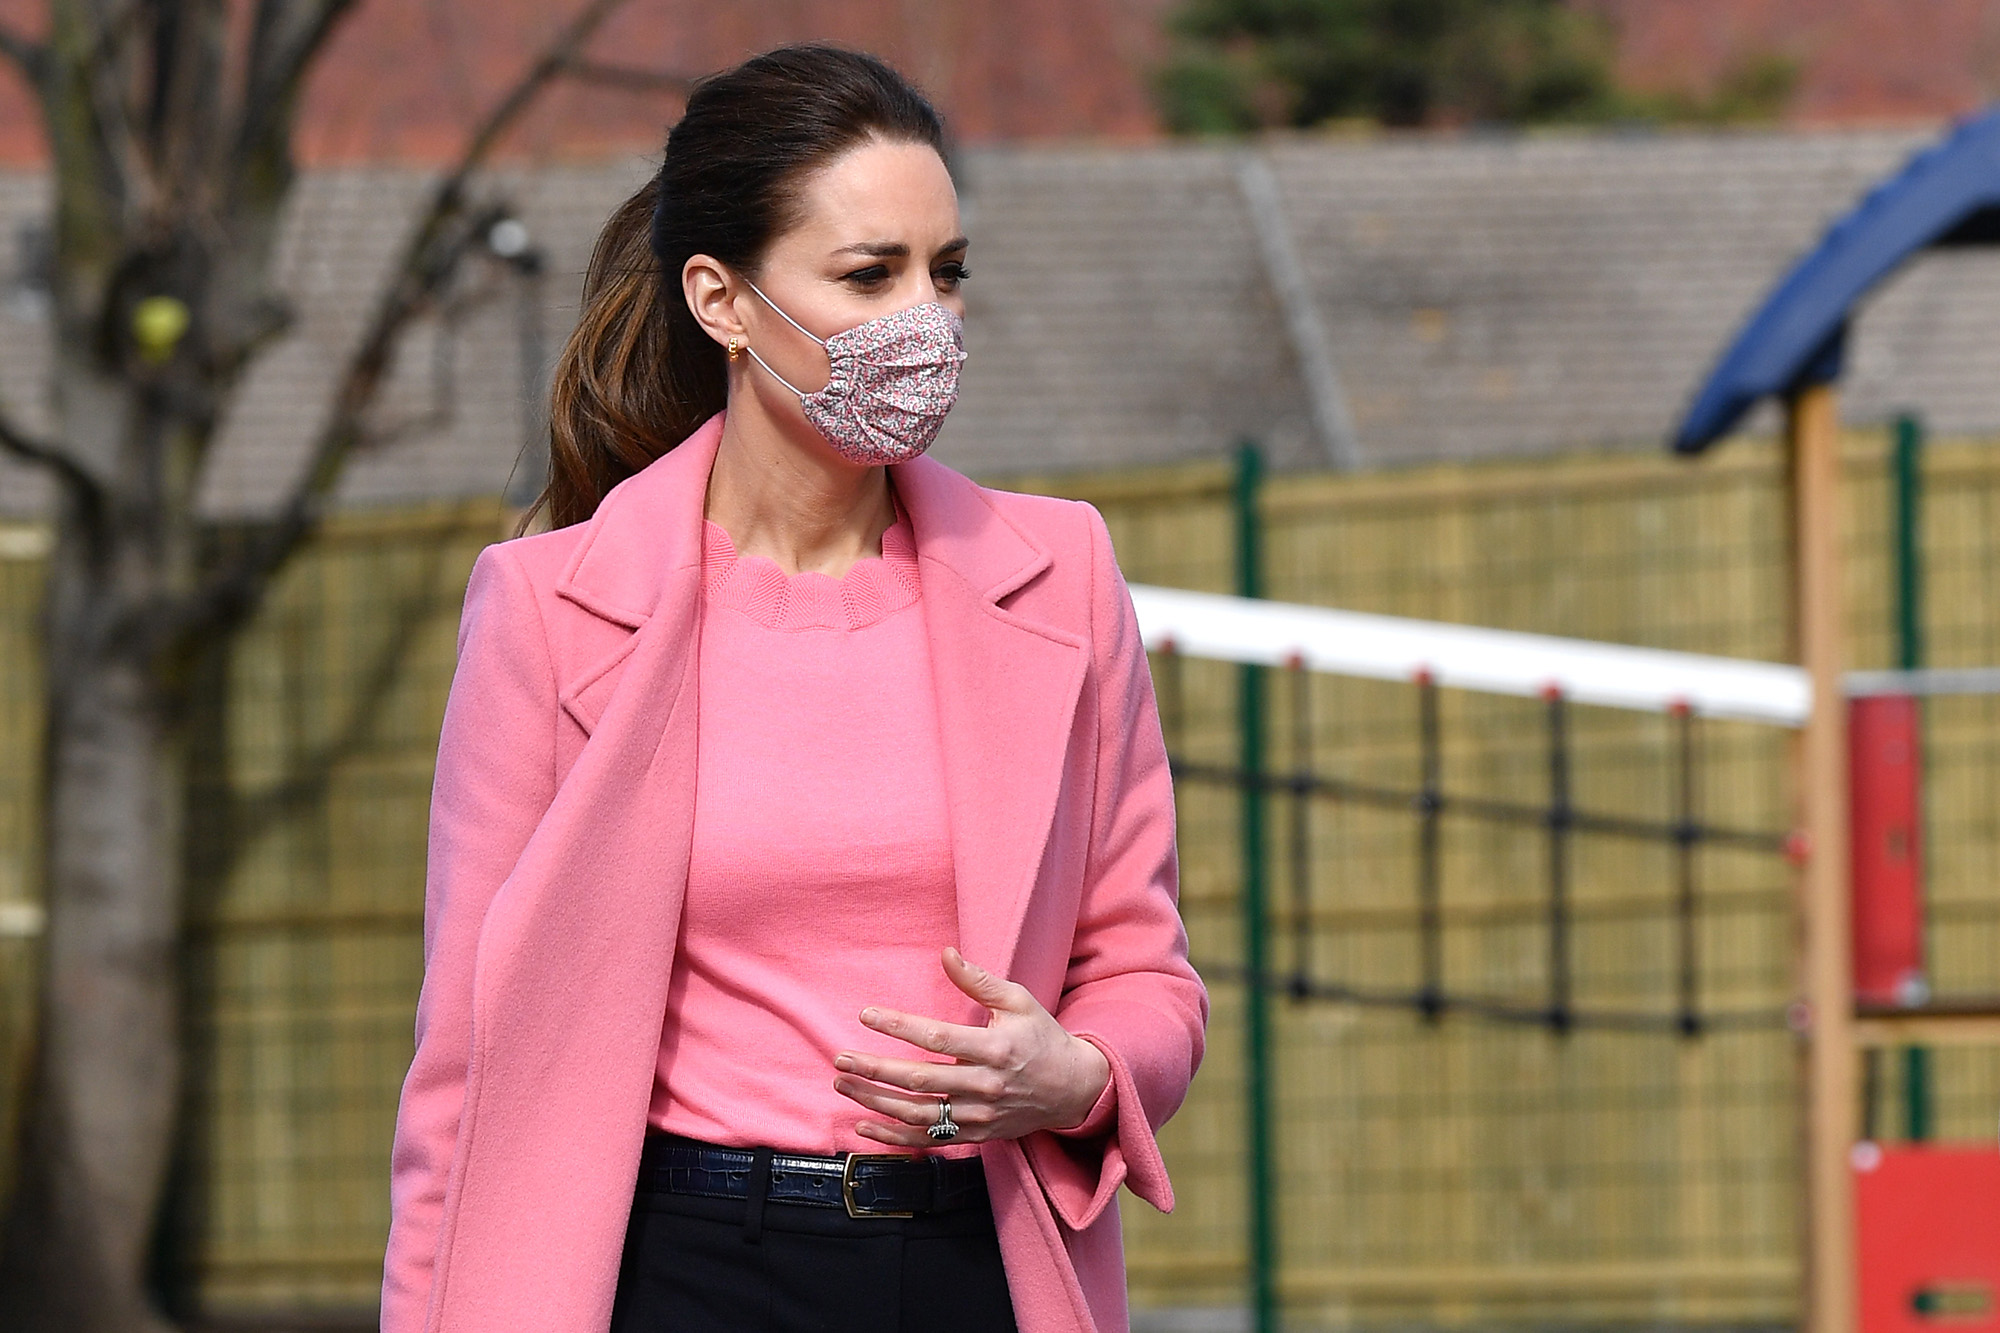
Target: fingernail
pixel 843 1064
pixel 871 1016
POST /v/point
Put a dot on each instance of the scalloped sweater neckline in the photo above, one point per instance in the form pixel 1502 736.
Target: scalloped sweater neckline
pixel 871 589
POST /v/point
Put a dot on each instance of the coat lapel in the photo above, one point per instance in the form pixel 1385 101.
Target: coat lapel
pixel 569 989
pixel 1006 690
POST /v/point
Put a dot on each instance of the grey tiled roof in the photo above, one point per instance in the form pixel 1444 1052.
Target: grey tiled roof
pixel 1481 296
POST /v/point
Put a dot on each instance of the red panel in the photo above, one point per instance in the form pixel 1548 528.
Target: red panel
pixel 1929 1230
pixel 1886 772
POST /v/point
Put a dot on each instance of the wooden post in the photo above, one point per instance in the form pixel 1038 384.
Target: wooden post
pixel 1826 963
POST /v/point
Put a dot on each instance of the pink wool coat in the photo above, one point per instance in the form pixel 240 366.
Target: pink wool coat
pixel 560 828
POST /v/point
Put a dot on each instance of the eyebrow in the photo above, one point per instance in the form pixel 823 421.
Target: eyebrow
pixel 896 249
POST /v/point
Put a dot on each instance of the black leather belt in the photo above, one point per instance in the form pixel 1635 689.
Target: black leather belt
pixel 865 1184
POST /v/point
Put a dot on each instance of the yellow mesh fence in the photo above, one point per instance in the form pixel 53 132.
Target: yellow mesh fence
pixel 1453 1172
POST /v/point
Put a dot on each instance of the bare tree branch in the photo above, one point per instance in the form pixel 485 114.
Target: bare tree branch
pixel 450 313
pixel 185 120
pixel 30 56
pixel 23 446
pixel 249 169
pixel 109 137
pixel 445 232
pixel 628 77
pixel 308 776
pixel 560 55
pixel 232 590
pixel 285 36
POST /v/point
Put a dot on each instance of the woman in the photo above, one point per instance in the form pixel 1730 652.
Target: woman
pixel 780 718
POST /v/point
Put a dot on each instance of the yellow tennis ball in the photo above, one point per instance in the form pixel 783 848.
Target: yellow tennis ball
pixel 158 323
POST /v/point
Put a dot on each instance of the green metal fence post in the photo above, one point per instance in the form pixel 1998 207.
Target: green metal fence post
pixel 1256 1013
pixel 1908 500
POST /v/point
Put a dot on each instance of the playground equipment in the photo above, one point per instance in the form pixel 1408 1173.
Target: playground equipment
pixel 1793 348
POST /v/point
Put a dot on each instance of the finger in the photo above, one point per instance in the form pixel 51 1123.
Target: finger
pixel 932 1034
pixel 919 1113
pixel 924 1076
pixel 992 991
pixel 898 1135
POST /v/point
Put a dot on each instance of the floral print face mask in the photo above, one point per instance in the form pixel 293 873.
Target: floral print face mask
pixel 894 378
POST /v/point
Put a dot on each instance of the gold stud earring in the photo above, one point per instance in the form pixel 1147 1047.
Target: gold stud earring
pixel 735 348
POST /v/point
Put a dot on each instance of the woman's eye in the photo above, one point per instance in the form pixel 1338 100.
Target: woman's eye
pixel 868 277
pixel 950 275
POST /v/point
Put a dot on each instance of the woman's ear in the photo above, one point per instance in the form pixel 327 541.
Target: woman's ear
pixel 711 291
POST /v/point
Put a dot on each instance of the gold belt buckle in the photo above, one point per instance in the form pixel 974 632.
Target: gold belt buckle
pixel 847 1181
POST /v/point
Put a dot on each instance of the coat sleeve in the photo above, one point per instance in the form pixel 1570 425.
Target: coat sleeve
pixel 1129 990
pixel 495 778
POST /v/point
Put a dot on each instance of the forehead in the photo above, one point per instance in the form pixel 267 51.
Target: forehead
pixel 879 191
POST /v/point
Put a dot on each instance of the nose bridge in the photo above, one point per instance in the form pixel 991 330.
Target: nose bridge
pixel 915 288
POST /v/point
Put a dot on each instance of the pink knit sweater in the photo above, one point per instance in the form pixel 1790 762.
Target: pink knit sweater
pixel 820 879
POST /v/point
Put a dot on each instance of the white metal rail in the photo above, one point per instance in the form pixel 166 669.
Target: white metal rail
pixel 1351 643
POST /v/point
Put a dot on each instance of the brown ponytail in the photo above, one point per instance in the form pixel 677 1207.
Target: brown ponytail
pixel 638 374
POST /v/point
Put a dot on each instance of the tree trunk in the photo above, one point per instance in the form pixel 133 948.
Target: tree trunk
pixel 100 1108
pixel 154 200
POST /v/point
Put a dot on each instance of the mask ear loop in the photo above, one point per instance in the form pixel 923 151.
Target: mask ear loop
pixel 789 320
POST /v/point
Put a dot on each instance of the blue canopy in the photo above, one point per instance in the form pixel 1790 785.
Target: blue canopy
pixel 1948 194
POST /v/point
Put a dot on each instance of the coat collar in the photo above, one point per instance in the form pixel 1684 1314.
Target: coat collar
pixel 645 529
pixel 649 526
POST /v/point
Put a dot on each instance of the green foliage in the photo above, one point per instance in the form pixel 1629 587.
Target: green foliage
pixel 1759 88
pixel 1242 65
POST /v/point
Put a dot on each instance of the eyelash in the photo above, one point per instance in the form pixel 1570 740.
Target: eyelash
pixel 951 274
